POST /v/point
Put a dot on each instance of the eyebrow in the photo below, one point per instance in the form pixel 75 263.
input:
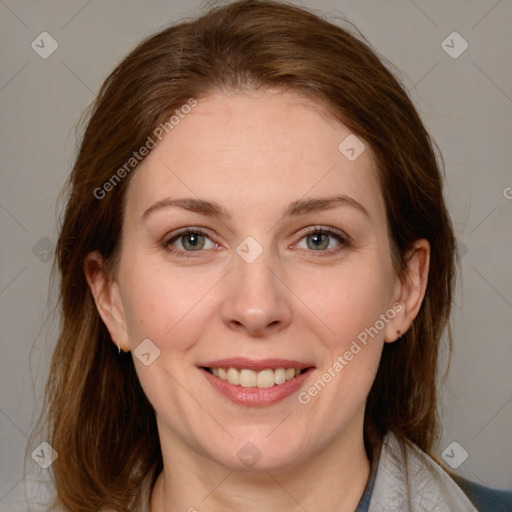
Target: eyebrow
pixel 213 209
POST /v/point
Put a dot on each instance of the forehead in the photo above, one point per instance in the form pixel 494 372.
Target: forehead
pixel 253 149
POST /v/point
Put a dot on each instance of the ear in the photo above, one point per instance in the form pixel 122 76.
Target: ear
pixel 107 298
pixel 409 290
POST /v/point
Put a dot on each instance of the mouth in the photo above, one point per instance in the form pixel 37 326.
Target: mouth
pixel 263 379
pixel 256 382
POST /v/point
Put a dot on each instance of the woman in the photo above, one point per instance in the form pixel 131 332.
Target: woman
pixel 256 219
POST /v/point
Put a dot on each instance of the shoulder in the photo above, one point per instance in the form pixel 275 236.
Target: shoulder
pixel 409 479
pixel 484 498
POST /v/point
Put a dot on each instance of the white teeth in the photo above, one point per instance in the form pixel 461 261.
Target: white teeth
pixel 265 379
pixel 279 375
pixel 250 379
pixel 233 376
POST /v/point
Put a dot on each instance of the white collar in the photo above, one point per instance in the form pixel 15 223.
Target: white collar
pixel 429 487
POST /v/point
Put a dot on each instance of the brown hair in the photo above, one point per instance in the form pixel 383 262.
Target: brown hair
pixel 98 417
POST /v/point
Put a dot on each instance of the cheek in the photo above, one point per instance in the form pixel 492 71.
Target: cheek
pixel 163 306
pixel 351 306
pixel 350 300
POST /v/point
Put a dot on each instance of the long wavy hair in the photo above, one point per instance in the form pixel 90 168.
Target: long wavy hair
pixel 95 413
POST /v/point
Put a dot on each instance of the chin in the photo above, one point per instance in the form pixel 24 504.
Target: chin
pixel 260 454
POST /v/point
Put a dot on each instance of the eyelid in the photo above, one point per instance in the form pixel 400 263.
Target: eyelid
pixel 326 229
pixel 184 231
pixel 344 239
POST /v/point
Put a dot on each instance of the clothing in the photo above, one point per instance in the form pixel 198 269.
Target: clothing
pixel 430 487
pixel 486 499
pixel 364 502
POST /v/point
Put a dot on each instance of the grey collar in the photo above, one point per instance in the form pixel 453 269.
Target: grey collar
pixel 429 487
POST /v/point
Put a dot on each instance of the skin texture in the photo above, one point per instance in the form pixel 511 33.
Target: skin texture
pixel 254 153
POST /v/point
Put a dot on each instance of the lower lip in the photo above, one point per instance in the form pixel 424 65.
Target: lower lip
pixel 256 397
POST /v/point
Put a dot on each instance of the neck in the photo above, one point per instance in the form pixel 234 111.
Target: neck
pixel 333 479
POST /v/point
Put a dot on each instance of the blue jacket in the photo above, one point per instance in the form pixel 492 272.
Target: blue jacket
pixel 484 498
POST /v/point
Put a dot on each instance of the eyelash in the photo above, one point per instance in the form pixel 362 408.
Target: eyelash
pixel 343 239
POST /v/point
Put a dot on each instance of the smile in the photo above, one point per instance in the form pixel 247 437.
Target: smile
pixel 254 383
pixel 260 379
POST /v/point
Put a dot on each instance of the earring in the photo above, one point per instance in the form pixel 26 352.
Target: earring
pixel 398 332
pixel 118 348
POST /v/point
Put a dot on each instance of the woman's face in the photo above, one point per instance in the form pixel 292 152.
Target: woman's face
pixel 284 278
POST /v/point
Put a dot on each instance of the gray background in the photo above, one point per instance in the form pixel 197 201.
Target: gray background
pixel 466 103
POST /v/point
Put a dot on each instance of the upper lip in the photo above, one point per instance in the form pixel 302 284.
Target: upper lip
pixel 256 365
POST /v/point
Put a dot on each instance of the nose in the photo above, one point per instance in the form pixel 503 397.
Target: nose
pixel 257 299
